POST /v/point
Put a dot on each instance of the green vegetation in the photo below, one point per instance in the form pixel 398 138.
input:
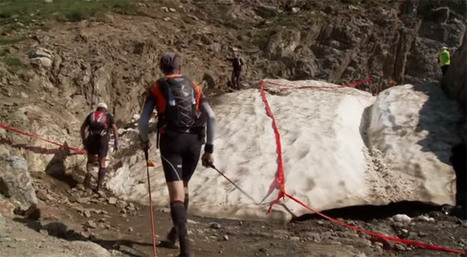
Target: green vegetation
pixel 261 37
pixel 8 41
pixel 12 62
pixel 27 12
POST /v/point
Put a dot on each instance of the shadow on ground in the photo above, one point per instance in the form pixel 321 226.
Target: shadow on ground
pixel 60 230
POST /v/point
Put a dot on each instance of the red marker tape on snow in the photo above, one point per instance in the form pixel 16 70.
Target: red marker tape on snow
pixel 279 181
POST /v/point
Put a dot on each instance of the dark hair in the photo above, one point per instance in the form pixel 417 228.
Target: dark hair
pixel 169 63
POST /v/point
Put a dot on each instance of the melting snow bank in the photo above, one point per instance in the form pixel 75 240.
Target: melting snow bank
pixel 410 130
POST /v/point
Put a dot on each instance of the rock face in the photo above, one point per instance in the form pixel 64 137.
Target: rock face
pixel 76 65
pixel 454 83
pixel 16 183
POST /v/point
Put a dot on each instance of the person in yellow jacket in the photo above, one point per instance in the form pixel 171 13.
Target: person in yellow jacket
pixel 444 59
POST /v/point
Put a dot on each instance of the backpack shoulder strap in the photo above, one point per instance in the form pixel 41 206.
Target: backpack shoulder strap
pixel 159 90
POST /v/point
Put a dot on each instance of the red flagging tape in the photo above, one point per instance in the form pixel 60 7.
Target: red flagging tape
pixel 77 150
pixel 353 84
pixel 279 181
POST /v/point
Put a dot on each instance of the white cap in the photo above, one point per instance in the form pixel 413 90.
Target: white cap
pixel 101 105
pixel 444 48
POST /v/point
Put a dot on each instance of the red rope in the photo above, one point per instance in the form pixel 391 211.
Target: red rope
pixel 353 84
pixel 77 150
pixel 279 181
pixel 395 239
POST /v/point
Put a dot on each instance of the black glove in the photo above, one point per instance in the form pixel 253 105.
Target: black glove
pixel 207 160
pixel 116 145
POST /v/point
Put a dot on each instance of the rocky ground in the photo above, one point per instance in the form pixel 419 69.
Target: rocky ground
pixel 76 222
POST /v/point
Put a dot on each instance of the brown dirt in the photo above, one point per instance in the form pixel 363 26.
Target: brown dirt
pixel 129 233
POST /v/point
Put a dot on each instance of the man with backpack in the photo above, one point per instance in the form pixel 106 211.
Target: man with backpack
pixel 182 114
pixel 98 124
pixel 237 65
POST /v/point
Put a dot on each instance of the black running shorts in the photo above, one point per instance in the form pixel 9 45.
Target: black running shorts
pixel 97 144
pixel 179 155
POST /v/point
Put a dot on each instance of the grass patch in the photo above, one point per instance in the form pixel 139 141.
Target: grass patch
pixel 9 41
pixel 12 62
pixel 26 12
pixel 261 37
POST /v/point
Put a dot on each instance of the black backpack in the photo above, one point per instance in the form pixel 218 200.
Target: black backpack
pixel 182 111
pixel 98 123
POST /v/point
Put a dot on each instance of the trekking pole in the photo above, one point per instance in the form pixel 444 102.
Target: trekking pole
pixel 146 155
pixel 231 182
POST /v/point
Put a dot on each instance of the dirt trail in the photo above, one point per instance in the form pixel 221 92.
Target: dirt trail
pixel 124 229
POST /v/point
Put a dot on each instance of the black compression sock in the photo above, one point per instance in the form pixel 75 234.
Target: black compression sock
pixel 178 214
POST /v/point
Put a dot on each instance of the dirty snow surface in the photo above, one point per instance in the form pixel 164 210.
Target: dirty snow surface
pixel 341 147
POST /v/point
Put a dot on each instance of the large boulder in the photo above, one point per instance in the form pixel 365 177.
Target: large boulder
pixel 16 182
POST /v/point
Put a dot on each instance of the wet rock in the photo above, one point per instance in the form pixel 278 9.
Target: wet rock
pixel 425 218
pixel 402 218
pixel 215 225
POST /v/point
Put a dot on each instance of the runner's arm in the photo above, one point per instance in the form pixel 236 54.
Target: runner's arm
pixel 211 125
pixel 143 123
pixel 115 129
pixel 83 128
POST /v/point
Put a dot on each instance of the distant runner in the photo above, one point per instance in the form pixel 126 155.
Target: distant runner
pixel 98 124
pixel 237 65
pixel 182 114
pixel 444 59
